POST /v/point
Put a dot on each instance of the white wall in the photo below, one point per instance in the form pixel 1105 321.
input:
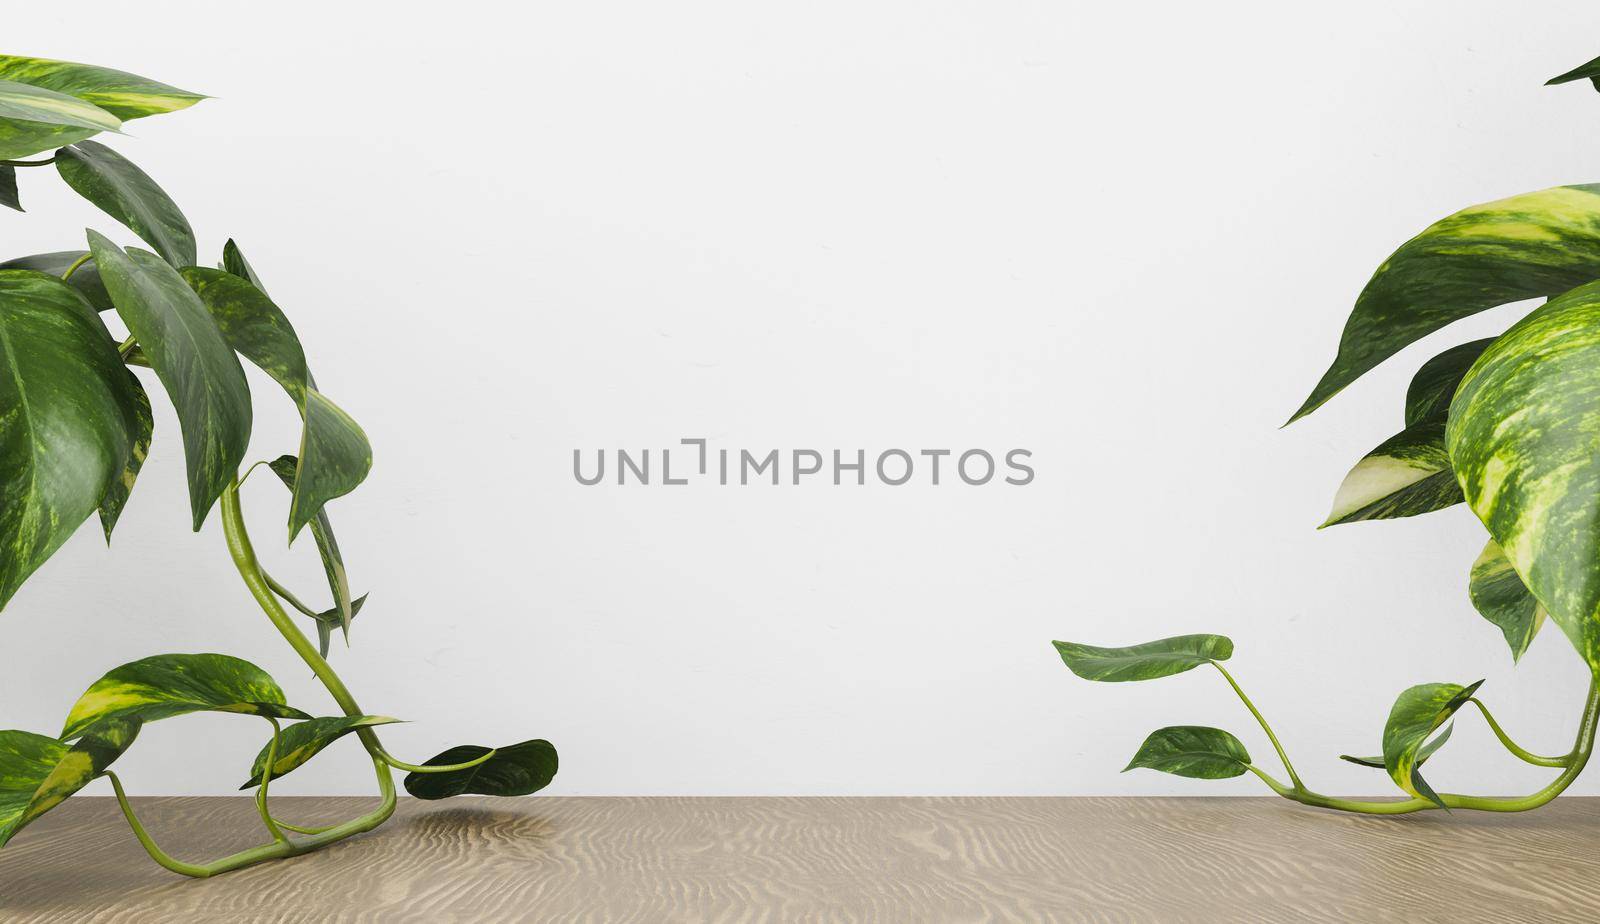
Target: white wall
pixel 1124 236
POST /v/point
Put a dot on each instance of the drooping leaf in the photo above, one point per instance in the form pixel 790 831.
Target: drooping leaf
pixel 125 96
pixel 1590 69
pixel 163 686
pixel 64 432
pixel 199 370
pixel 1540 243
pixel 331 619
pixel 335 457
pixel 1523 434
pixel 1145 661
pixel 123 191
pixel 516 770
pixel 38 773
pixel 1435 383
pixel 8 188
pixel 34 119
pixel 1423 754
pixel 304 740
pixel 141 425
pixel 86 278
pixel 1408 474
pixel 1193 751
pixel 1500 597
pixel 286 468
pixel 1417 714
pixel 233 261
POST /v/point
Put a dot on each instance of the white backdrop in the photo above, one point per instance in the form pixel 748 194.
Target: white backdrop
pixel 1124 236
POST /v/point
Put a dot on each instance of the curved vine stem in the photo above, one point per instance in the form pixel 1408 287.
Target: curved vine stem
pixel 288 595
pixel 1521 753
pixel 29 163
pixel 266 777
pixel 1294 778
pixel 74 267
pixel 433 768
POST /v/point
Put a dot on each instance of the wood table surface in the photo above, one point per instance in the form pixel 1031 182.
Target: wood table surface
pixel 818 859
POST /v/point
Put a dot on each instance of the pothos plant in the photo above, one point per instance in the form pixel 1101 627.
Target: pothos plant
pixel 76 425
pixel 1510 425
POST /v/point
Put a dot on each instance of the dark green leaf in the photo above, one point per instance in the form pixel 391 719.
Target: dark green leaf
pixel 1540 243
pixel 38 773
pixel 233 261
pixel 1146 661
pixel 86 278
pixel 1426 752
pixel 1408 474
pixel 141 425
pixel 513 771
pixel 1589 69
pixel 1193 751
pixel 64 405
pixel 126 193
pixel 1500 597
pixel 331 619
pixel 199 370
pixel 285 467
pixel 163 686
pixel 1435 383
pixel 1417 714
pixel 304 740
pixel 334 459
pixel 8 188
pixel 125 96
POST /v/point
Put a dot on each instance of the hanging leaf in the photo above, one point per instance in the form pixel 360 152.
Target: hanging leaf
pixel 331 619
pixel 1523 433
pixel 1193 751
pixel 164 686
pixel 8 188
pixel 34 119
pixel 199 370
pixel 304 740
pixel 286 468
pixel 1435 383
pixel 64 411
pixel 124 96
pixel 126 193
pixel 513 771
pixel 1540 243
pixel 1417 714
pixel 1423 754
pixel 335 457
pixel 1501 597
pixel 86 278
pixel 1591 70
pixel 38 773
pixel 1145 661
pixel 141 424
pixel 1408 474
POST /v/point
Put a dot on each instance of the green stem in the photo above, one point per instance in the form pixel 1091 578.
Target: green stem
pixel 1522 753
pixel 29 163
pixel 1294 778
pixel 288 596
pixel 432 768
pixel 301 830
pixel 266 777
pixel 149 844
pixel 126 347
pixel 75 264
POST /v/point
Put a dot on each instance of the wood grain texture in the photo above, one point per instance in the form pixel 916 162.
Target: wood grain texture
pixel 819 859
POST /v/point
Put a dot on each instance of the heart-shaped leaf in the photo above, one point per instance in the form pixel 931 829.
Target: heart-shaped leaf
pixel 164 686
pixel 86 278
pixel 126 193
pixel 1540 243
pixel 141 425
pixel 1500 597
pixel 1408 474
pixel 38 773
pixel 1417 714
pixel 1145 661
pixel 302 741
pixel 1523 432
pixel 199 370
pixel 1193 751
pixel 125 96
pixel 513 771
pixel 1431 389
pixel 65 400
pixel 1426 751
pixel 286 468
pixel 8 188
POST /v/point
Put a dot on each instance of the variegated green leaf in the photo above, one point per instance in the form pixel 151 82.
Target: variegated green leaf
pixel 302 741
pixel 253 326
pixel 1524 438
pixel 335 457
pixel 199 370
pixel 331 619
pixel 22 102
pixel 38 773
pixel 1590 70
pixel 125 96
pixel 1417 714
pixel 164 686
pixel 1146 661
pixel 1500 597
pixel 141 424
pixel 1540 243
pixel 86 278
pixel 64 419
pixel 8 188
pixel 1192 750
pixel 286 468
pixel 1423 754
pixel 123 191
pixel 1408 474
pixel 516 770
pixel 1433 386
